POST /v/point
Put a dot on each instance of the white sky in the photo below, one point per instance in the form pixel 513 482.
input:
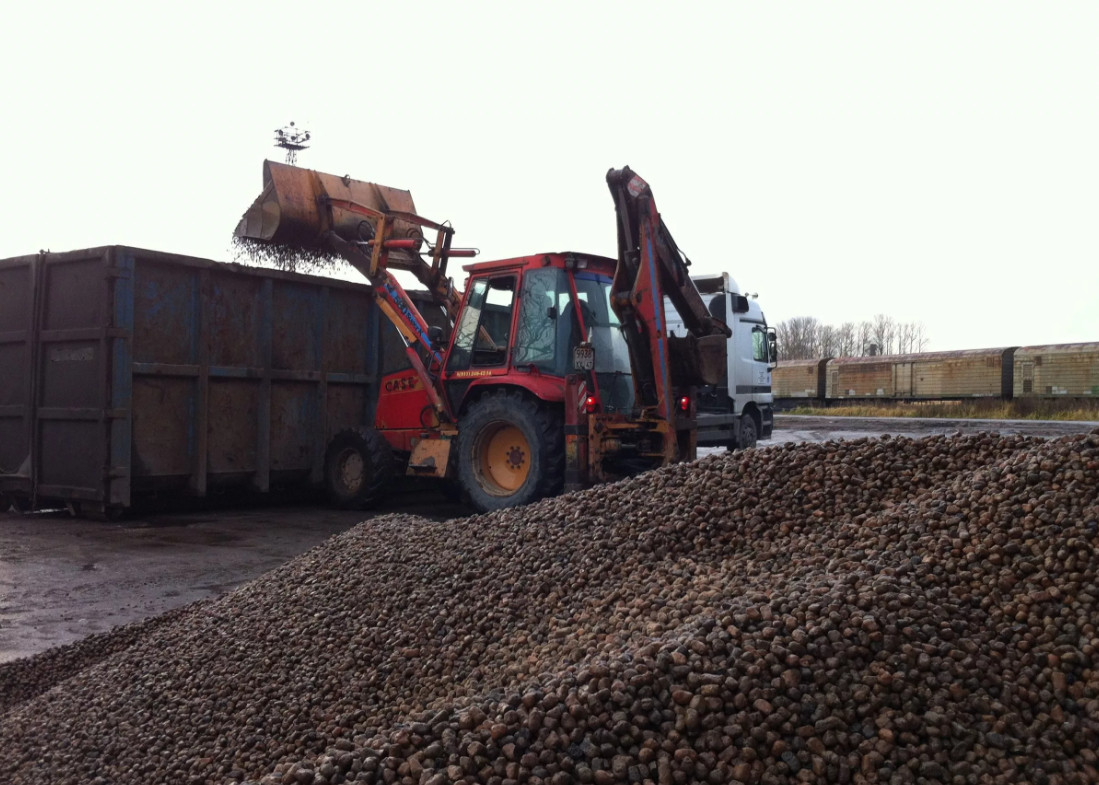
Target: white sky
pixel 936 161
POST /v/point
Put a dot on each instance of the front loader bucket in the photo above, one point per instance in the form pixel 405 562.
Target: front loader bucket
pixel 294 209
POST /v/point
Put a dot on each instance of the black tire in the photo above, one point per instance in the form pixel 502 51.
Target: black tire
pixel 14 503
pixel 358 468
pixel 749 432
pixel 511 451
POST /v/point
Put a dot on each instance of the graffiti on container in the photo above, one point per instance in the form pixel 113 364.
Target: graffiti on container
pixel 69 354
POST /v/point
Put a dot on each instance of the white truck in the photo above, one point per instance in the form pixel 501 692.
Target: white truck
pixel 739 412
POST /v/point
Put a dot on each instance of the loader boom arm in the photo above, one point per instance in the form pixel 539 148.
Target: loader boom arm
pixel 376 230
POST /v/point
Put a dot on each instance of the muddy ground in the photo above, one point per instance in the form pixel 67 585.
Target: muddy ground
pixel 63 578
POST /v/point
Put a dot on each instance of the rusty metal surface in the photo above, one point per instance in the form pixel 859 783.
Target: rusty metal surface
pixel 161 372
pixel 287 211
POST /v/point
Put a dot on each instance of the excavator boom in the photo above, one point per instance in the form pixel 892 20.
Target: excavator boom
pixel 650 268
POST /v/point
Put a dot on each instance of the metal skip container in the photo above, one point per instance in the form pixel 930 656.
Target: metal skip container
pixel 126 372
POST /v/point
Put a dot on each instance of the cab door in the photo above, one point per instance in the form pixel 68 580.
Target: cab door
pixel 481 345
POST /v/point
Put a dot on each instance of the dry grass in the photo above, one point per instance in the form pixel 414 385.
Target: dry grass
pixel 982 408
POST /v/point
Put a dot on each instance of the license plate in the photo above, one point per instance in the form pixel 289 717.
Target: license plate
pixel 583 358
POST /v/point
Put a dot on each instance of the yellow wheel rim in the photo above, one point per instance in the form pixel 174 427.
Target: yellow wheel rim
pixel 503 459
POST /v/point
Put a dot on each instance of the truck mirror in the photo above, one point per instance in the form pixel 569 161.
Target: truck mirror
pixel 772 348
pixel 435 334
pixel 740 304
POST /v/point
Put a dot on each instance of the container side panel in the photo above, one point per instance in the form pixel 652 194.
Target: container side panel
pixel 233 431
pixel 297 329
pixel 73 293
pixel 16 329
pixel 295 421
pixel 346 408
pixel 71 456
pixel 14 367
pixel 14 454
pixel 234 313
pixel 165 322
pixel 121 392
pixel 72 375
pixel 163 432
pixel 15 296
pixel 349 332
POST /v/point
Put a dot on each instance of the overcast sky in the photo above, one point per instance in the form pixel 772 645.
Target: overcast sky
pixel 936 161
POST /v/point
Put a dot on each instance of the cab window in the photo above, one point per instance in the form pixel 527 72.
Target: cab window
pixel 759 345
pixel 483 334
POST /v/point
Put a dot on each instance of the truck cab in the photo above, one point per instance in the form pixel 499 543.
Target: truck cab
pixel 740 410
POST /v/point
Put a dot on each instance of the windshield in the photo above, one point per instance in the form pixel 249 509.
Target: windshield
pixel 612 356
pixel 548 331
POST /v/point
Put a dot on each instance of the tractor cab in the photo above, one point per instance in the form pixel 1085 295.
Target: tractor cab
pixel 526 318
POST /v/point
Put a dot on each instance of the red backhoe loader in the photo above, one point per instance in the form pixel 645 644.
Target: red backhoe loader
pixel 552 372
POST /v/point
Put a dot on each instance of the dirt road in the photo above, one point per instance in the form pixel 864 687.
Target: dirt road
pixel 63 578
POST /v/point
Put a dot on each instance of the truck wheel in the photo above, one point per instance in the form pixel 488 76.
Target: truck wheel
pixel 511 451
pixel 358 468
pixel 749 433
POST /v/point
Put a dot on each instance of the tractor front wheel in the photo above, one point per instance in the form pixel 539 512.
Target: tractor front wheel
pixel 511 451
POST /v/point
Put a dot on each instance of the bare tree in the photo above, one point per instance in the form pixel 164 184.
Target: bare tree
pixel 827 341
pixel 864 340
pixel 798 337
pixel 918 337
pixel 883 333
pixel 804 338
pixel 847 342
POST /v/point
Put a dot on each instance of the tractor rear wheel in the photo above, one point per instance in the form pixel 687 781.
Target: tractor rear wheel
pixel 358 468
pixel 511 451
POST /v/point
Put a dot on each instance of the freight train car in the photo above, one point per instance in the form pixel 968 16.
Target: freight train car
pixel 799 379
pixel 1062 370
pixel 925 376
pixel 1006 373
pixel 126 373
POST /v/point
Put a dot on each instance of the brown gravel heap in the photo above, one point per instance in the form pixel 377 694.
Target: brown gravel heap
pixel 889 610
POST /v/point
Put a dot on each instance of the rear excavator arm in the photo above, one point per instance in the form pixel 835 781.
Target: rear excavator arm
pixel 650 267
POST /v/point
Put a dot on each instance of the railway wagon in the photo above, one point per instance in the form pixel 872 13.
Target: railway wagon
pixel 924 376
pixel 799 379
pixel 1069 370
pixel 1057 370
pixel 126 372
